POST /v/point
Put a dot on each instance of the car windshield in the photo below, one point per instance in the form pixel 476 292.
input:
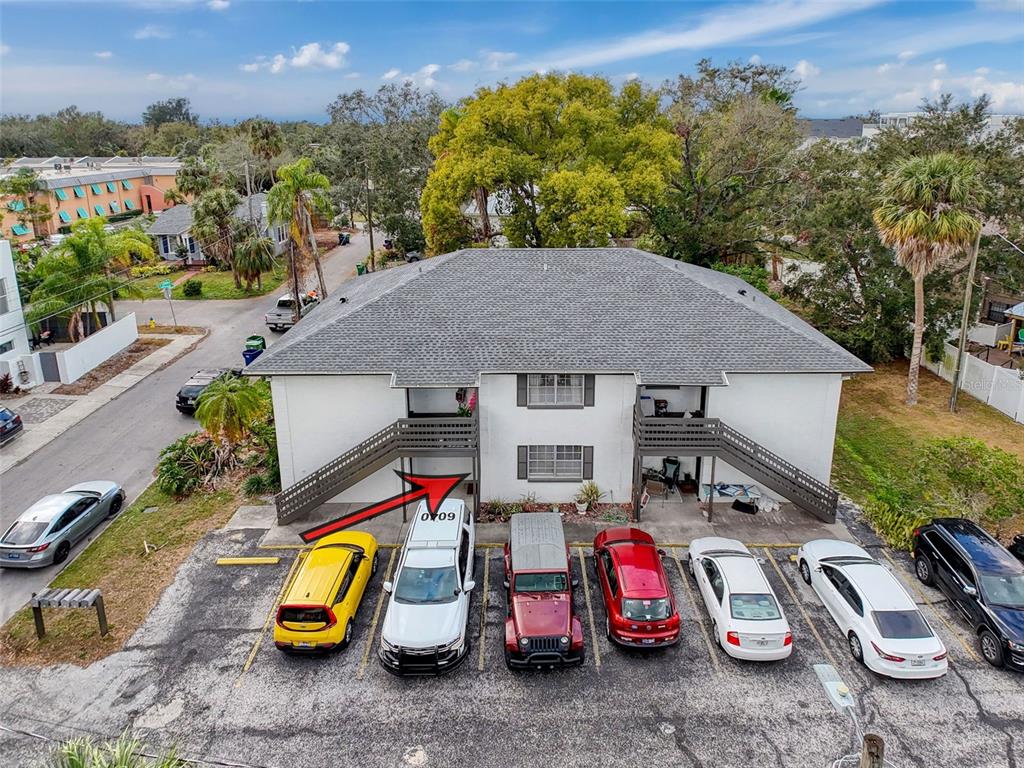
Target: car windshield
pixel 284 304
pixel 6 414
pixel 303 614
pixel 754 607
pixel 23 533
pixel 541 582
pixel 1006 589
pixel 426 585
pixel 192 390
pixel 646 610
pixel 901 625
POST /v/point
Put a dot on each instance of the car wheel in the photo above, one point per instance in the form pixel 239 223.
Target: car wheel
pixel 805 572
pixel 347 640
pixel 608 627
pixel 63 550
pixel 990 648
pixel 715 635
pixel 689 565
pixel 923 569
pixel 115 505
pixel 376 562
pixel 855 648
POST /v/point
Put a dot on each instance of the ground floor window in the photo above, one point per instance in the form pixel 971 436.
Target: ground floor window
pixel 555 462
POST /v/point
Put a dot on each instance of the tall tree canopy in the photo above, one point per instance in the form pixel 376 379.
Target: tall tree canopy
pixel 564 155
pixel 177 110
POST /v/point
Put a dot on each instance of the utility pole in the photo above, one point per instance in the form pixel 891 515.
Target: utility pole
pixel 369 214
pixel 248 192
pixel 296 312
pixel 964 323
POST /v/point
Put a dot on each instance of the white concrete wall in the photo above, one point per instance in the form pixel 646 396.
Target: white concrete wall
pixel 1002 388
pixel 76 361
pixel 792 415
pixel 433 400
pixel 320 417
pixel 607 425
pixel 12 327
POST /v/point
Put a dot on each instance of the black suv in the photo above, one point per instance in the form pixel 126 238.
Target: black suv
pixel 199 381
pixel 981 579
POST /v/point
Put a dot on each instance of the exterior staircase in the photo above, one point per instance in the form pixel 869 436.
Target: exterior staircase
pixel 444 436
pixel 660 436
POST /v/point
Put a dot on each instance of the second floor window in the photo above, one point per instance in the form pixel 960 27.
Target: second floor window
pixel 555 389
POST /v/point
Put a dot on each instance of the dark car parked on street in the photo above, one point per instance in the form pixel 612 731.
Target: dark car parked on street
pixel 10 425
pixel 982 580
pixel 199 381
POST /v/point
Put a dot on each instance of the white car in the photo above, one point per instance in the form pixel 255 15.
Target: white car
pixel 747 620
pixel 424 629
pixel 883 627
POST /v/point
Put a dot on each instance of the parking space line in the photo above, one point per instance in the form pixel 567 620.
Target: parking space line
pixel 483 611
pixel 376 618
pixel 248 560
pixel 697 615
pixel 920 593
pixel 590 608
pixel 270 617
pixel 803 611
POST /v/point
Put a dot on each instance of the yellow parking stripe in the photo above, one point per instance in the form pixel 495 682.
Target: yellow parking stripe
pixel 483 612
pixel 803 611
pixel 248 560
pixel 270 617
pixel 697 612
pixel 912 580
pixel 590 609
pixel 376 618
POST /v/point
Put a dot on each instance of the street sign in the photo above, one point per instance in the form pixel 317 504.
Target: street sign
pixel 166 284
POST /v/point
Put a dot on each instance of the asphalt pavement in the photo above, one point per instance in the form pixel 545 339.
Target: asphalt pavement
pixel 122 440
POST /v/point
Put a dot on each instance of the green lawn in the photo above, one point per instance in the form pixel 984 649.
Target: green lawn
pixel 216 285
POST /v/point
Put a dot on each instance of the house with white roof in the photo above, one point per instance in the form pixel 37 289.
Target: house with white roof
pixel 536 369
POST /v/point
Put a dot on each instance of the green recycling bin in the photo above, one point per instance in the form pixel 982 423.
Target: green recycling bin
pixel 256 342
pixel 360 269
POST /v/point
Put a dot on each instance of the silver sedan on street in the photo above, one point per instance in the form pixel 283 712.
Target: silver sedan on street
pixel 45 532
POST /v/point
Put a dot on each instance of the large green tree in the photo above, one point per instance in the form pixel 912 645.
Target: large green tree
pixel 30 204
pixel 300 193
pixel 215 227
pixel 540 146
pixel 176 110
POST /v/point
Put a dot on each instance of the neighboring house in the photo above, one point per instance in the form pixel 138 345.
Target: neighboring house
pixel 902 120
pixel 16 356
pixel 840 129
pixel 562 351
pixel 994 324
pixel 80 188
pixel 172 230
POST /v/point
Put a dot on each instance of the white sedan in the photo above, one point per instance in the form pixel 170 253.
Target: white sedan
pixel 883 627
pixel 748 622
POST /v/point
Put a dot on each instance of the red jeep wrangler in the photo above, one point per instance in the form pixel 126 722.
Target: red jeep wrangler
pixel 541 629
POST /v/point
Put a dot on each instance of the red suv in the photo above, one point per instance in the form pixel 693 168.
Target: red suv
pixel 542 629
pixel 639 606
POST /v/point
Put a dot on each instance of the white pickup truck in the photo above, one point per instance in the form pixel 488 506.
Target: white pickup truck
pixel 282 316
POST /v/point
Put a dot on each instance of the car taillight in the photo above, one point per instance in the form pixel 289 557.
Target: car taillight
pixel 887 656
pixel 17 419
pixel 331 618
pixel 788 639
pixel 917 532
pixel 733 638
pixel 941 656
pixel 40 548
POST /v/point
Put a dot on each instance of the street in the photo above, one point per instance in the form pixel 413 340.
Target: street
pixel 122 440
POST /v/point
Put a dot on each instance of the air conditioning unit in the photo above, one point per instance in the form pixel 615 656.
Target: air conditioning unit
pixel 56 166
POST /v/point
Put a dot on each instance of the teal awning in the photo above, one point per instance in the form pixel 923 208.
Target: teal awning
pixel 79 192
pixel 126 184
pixel 99 209
pixel 114 207
pixel 64 216
pixel 96 189
pixel 61 194
pixel 20 229
pixel 82 213
pixel 129 205
pixel 16 205
pixel 111 186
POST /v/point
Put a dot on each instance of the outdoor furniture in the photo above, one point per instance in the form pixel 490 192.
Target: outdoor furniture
pixel 67 598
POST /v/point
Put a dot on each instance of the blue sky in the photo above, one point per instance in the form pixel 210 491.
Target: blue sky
pixel 236 58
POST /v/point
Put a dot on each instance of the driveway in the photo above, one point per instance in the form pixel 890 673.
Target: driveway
pixel 122 440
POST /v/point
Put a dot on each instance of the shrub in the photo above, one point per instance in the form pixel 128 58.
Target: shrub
pixel 255 485
pixel 186 464
pixel 6 384
pixel 757 276
pixel 589 494
pixel 149 270
pixel 125 752
pixel 192 288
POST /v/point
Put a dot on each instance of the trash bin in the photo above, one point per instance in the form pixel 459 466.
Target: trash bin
pixel 256 342
pixel 344 238
pixel 360 269
pixel 251 354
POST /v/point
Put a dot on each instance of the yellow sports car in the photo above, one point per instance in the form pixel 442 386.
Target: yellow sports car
pixel 320 607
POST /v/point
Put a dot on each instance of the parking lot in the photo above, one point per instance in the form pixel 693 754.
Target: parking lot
pixel 203 673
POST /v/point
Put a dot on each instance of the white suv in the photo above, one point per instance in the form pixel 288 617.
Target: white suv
pixel 424 631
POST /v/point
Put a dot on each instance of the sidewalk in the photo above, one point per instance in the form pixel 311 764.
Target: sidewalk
pixel 36 435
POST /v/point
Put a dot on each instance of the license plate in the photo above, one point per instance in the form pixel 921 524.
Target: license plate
pixel 648 641
pixel 761 643
pixel 13 556
pixel 303 644
pixel 917 662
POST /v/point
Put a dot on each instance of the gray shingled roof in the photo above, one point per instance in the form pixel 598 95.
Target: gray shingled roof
pixel 444 321
pixel 178 220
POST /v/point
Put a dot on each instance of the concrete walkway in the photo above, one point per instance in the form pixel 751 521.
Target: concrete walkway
pixel 37 435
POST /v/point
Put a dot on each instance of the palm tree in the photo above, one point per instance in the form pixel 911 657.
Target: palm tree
pixel 299 192
pixel 229 406
pixel 214 226
pixel 265 139
pixel 174 196
pixel 254 255
pixel 114 252
pixel 927 211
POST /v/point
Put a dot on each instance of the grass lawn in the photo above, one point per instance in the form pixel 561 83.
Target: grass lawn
pixel 878 436
pixel 131 580
pixel 216 285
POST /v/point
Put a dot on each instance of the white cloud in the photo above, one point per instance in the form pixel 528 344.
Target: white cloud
pixel 218 5
pixel 391 74
pixel 905 55
pixel 151 31
pixel 103 54
pixel 424 76
pixel 1006 6
pixel 755 60
pixel 936 85
pixel 462 65
pixel 313 56
pixel 631 76
pixel 494 60
pixel 353 76
pixel 253 67
pixel 173 82
pixel 982 71
pixel 4 50
pixel 939 66
pixel 805 69
pixel 883 68
pixel 278 63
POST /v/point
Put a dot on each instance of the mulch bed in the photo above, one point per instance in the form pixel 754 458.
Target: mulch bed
pixel 119 363
pixel 500 513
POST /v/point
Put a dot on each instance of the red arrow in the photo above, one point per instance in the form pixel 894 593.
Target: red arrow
pixel 434 488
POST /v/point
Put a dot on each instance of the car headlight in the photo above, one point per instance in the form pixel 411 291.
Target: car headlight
pixel 524 641
pixel 1019 647
pixel 564 640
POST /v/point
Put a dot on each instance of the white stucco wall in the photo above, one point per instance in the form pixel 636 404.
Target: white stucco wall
pixel 320 417
pixel 12 326
pixel 607 425
pixel 792 415
pixel 74 362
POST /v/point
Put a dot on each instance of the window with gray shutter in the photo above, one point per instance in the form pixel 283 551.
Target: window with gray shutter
pixel 521 380
pixel 554 462
pixel 523 471
pixel 588 462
